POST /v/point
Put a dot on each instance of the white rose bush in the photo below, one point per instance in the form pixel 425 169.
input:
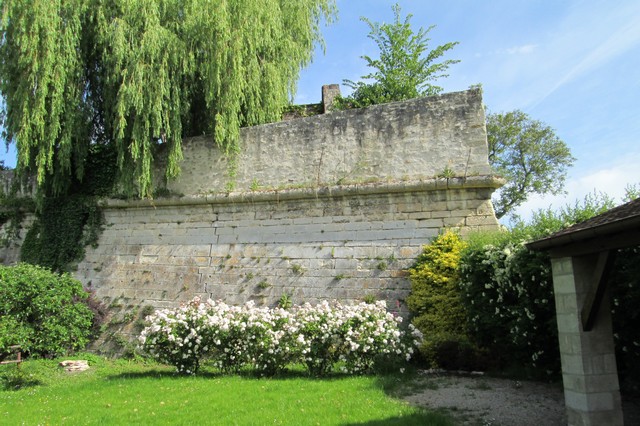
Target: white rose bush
pixel 358 338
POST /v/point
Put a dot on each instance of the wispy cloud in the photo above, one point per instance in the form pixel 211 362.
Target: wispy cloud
pixel 622 40
pixel 521 50
pixel 515 50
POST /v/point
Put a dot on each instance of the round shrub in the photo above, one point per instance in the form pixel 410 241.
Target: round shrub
pixel 42 311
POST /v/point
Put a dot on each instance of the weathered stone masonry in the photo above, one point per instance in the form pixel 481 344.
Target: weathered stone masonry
pixel 335 206
pixel 340 244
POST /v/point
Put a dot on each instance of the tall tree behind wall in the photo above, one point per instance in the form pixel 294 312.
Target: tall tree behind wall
pixel 134 73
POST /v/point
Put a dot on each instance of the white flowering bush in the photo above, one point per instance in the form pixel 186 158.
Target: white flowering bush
pixel 179 337
pixel 362 337
pixel 371 338
pixel 508 294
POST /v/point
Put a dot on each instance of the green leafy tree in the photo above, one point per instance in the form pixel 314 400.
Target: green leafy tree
pixel 137 73
pixel 406 67
pixel 529 155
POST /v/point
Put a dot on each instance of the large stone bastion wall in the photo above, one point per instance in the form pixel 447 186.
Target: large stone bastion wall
pixel 335 206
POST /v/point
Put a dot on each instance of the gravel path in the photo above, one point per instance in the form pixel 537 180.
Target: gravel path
pixel 479 400
pixel 488 401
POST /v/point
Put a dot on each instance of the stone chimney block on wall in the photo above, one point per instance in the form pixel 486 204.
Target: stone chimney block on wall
pixel 329 93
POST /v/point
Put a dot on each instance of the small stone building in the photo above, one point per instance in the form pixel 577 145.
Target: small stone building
pixel 582 257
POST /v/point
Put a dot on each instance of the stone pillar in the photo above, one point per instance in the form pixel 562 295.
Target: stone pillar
pixel 589 371
pixel 329 93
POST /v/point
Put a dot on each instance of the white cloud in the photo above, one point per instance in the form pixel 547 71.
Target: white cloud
pixel 611 181
pixel 514 50
pixel 521 50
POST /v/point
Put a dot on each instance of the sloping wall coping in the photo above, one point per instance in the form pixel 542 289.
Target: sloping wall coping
pixel 276 195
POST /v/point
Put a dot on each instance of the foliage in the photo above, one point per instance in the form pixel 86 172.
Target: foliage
pixel 12 212
pixel 361 336
pixel 405 67
pixel 65 225
pixel 62 229
pixel 136 74
pixel 42 311
pixel 117 391
pixel 529 155
pixel 507 290
pixel 545 222
pixel 631 192
pixel 434 301
pixel 624 283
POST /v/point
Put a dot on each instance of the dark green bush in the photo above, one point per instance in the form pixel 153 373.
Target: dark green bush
pixel 625 295
pixel 42 311
pixel 507 290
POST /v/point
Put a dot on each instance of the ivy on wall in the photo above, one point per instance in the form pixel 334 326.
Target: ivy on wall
pixel 58 236
pixel 65 225
pixel 12 213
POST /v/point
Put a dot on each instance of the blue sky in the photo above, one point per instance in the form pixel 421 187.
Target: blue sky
pixel 574 65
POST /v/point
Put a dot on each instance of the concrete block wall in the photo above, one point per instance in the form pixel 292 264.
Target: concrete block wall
pixel 344 243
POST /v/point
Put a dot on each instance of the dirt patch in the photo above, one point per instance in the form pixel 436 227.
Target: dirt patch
pixel 480 400
pixel 488 401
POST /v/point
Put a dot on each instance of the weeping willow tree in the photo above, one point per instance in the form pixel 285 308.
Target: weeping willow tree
pixel 138 73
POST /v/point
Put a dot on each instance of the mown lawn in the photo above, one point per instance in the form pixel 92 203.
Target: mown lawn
pixel 125 392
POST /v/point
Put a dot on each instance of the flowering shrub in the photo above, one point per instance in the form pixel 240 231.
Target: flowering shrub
pixel 508 294
pixel 625 297
pixel 372 338
pixel 179 337
pixel 362 337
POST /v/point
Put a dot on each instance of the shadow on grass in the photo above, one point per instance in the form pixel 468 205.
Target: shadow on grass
pixel 422 418
pixel 211 373
pixel 18 379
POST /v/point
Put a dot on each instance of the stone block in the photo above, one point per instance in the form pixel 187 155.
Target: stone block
pixel 481 220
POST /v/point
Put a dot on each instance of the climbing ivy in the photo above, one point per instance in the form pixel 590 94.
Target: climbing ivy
pixel 58 235
pixel 65 225
pixel 12 212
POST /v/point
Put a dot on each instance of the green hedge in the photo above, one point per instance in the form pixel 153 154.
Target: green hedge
pixel 42 311
pixel 505 294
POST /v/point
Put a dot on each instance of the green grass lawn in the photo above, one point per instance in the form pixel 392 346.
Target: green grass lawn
pixel 121 392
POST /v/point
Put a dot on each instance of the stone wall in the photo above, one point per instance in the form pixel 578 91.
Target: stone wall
pixel 335 206
pixel 344 243
pixel 411 140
